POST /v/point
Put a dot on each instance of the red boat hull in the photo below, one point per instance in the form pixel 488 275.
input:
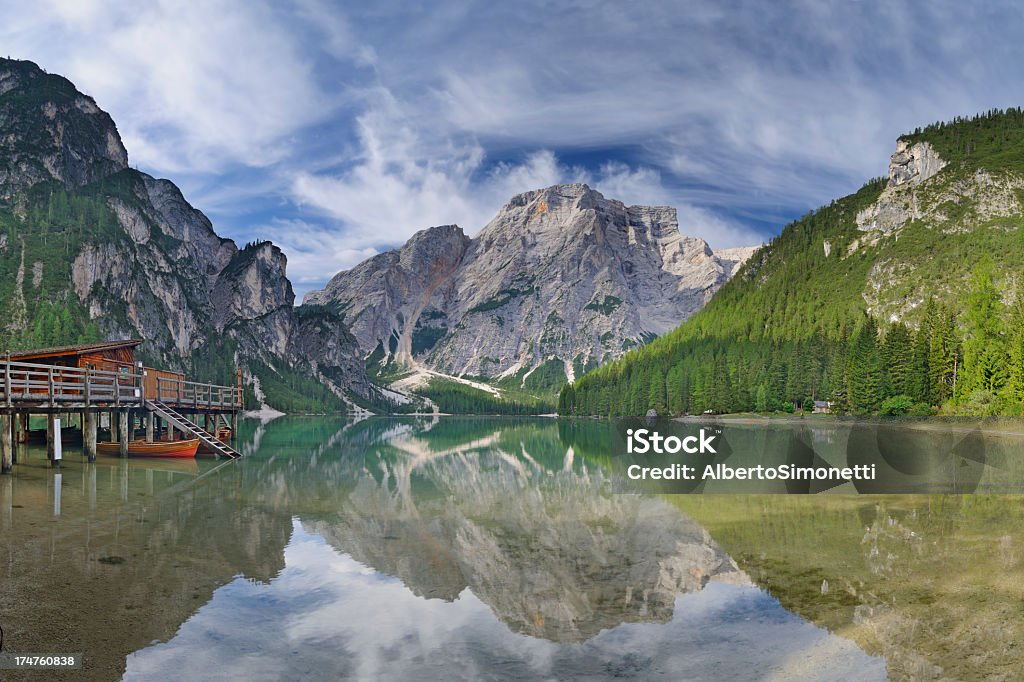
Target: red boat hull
pixel 138 448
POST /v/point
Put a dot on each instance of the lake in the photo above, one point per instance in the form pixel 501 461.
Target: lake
pixel 495 548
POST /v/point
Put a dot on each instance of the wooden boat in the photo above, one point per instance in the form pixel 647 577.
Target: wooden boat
pixel 223 435
pixel 140 448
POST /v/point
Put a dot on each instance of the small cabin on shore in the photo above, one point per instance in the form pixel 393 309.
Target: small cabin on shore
pixel 108 356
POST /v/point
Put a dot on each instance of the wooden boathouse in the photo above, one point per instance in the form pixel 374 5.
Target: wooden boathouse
pixel 103 382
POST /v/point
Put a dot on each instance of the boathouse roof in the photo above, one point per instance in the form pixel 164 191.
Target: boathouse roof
pixel 80 349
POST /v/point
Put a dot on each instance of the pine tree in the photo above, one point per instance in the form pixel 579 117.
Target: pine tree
pixel 897 352
pixel 984 343
pixel 567 400
pixel 1015 369
pixel 865 373
pixel 656 394
pixel 943 360
pixel 761 400
pixel 918 383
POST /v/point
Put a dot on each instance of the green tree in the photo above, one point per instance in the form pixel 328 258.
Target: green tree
pixel 866 369
pixel 898 356
pixel 984 342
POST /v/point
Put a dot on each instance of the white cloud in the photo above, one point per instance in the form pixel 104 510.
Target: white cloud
pixel 403 179
pixel 193 86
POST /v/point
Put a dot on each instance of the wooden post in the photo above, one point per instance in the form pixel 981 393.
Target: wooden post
pixel 170 430
pixel 6 445
pixel 112 418
pixel 7 379
pixel 50 435
pixel 14 436
pixel 149 427
pixel 122 432
pixel 234 424
pixel 89 436
pixel 23 431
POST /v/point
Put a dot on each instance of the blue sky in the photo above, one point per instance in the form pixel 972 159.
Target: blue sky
pixel 339 129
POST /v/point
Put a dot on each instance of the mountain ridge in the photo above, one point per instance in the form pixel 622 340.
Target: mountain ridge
pixel 561 279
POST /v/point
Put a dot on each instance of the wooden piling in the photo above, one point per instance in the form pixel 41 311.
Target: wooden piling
pixel 23 431
pixel 51 436
pixel 123 432
pixel 6 445
pixel 89 435
pixel 149 427
pixel 14 438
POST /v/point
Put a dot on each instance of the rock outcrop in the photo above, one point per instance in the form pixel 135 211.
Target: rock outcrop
pixel 913 163
pixel 562 278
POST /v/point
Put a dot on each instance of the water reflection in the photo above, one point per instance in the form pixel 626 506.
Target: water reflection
pixel 468 548
pixel 328 616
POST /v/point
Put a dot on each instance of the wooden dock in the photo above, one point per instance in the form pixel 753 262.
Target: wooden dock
pixel 129 398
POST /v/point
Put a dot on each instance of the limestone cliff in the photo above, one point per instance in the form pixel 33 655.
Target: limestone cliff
pixel 562 278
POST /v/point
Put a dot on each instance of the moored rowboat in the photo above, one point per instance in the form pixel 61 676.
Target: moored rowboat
pixel 223 435
pixel 140 448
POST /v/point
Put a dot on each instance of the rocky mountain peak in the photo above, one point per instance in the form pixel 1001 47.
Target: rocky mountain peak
pixel 441 244
pixel 561 277
pixel 54 132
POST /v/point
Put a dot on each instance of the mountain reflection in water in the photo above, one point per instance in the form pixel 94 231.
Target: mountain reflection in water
pixel 426 549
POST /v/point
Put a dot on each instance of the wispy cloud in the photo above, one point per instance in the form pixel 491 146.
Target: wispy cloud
pixel 341 129
pixel 193 86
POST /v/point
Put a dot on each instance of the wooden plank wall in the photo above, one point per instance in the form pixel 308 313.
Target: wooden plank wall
pixel 149 382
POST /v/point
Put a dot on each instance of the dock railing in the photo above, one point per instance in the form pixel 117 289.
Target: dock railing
pixel 182 393
pixel 31 384
pixel 26 382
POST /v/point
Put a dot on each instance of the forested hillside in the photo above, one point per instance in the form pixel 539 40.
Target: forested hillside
pixel 903 297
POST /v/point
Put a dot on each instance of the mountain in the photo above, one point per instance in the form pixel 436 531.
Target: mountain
pixel 561 280
pixel 92 249
pixel 902 296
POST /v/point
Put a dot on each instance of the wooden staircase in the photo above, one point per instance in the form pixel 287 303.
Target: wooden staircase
pixel 184 425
